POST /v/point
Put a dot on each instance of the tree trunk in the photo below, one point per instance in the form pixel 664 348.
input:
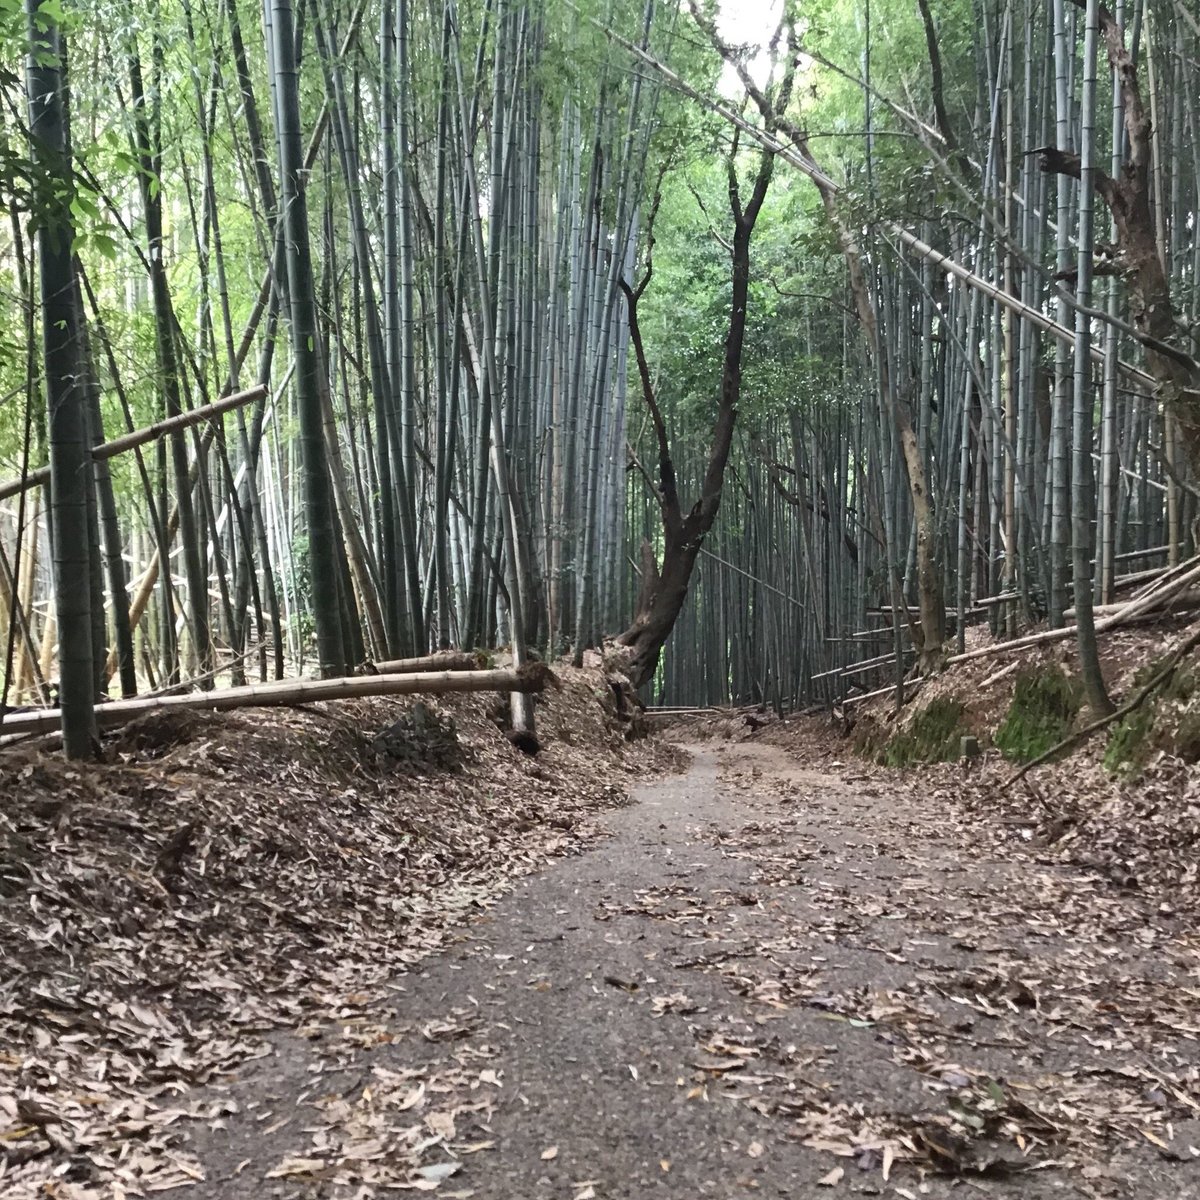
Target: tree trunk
pixel 70 458
pixel 664 590
pixel 318 495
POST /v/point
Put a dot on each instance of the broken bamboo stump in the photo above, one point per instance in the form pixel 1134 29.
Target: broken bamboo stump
pixel 532 677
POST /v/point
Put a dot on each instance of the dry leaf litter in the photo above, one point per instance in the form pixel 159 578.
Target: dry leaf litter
pixel 1084 904
pixel 226 876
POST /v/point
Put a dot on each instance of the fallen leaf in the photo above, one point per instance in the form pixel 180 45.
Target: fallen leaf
pixel 549 1153
pixel 719 1064
pixel 625 985
pixel 437 1173
pixel 296 1166
pixel 833 1178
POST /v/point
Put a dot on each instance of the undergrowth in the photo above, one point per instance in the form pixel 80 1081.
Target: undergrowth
pixel 931 736
pixel 1129 741
pixel 1043 709
pixel 1132 738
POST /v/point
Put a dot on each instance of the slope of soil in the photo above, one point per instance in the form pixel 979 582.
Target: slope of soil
pixel 227 875
pixel 1139 825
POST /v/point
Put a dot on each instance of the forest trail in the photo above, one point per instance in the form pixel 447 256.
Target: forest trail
pixel 759 957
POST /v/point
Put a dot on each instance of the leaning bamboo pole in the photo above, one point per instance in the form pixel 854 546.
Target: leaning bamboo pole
pixel 531 678
pixel 1134 611
pixel 139 437
pixel 1135 608
pixel 794 157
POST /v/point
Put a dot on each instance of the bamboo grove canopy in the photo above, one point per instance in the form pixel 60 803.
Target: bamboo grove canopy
pixel 551 321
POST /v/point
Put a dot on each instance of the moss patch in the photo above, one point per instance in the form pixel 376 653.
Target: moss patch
pixel 1157 722
pixel 1133 737
pixel 1043 709
pixel 931 736
pixel 1129 741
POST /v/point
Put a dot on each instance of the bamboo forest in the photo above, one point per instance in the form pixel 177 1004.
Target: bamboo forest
pixel 599 599
pixel 532 325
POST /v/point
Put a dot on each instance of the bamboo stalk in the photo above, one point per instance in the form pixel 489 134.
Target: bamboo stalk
pixel 444 661
pixel 530 678
pixel 1172 606
pixel 1126 613
pixel 890 690
pixel 859 667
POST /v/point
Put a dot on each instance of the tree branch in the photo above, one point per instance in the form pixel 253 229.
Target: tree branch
pixel 667 490
pixel 1054 161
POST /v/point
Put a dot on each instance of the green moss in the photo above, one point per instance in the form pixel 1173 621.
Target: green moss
pixel 1129 741
pixel 1133 737
pixel 931 736
pixel 1180 688
pixel 1186 741
pixel 868 737
pixel 1043 708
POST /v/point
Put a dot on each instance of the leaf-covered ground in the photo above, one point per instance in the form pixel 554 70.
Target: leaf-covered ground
pixel 781 974
pixel 226 877
pixel 776 978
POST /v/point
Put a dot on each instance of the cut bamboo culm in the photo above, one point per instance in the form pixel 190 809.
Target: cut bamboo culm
pixel 531 678
pixel 445 660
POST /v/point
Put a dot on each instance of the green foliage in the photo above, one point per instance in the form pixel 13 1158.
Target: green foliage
pixel 1043 708
pixel 1129 741
pixel 931 736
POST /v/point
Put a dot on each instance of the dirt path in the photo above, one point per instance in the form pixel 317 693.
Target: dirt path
pixel 767 982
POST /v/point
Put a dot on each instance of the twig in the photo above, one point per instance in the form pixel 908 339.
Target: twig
pixel 189 684
pixel 1165 672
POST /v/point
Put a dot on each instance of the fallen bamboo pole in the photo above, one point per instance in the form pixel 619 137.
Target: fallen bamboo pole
pixel 1163 674
pixel 139 437
pixel 890 690
pixel 531 678
pixel 858 668
pixel 445 660
pixel 1135 608
pixel 1172 606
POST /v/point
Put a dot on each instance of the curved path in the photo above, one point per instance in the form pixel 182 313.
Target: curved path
pixel 767 982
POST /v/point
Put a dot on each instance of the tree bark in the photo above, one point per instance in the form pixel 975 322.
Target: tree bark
pixel 664 589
